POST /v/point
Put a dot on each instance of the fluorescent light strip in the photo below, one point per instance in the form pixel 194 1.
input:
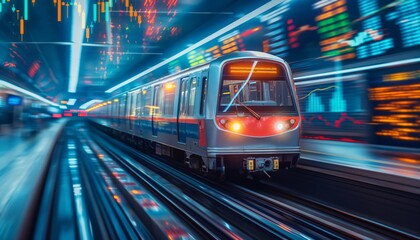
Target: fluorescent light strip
pixel 71 101
pixel 175 76
pixel 359 69
pixel 213 36
pixel 331 79
pixel 169 78
pixel 21 90
pixel 91 102
pixel 76 48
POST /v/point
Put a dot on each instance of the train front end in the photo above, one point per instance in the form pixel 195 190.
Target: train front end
pixel 256 124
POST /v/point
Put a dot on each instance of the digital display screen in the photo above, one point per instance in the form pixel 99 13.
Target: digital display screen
pixel 310 34
pixel 335 108
pixel 13 100
pixel 395 113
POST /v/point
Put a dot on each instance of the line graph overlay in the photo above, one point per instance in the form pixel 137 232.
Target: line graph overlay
pixel 335 107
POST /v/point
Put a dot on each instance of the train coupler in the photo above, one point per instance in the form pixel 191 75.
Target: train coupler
pixel 264 164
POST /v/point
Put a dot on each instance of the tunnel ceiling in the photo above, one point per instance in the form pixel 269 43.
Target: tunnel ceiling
pixel 41 43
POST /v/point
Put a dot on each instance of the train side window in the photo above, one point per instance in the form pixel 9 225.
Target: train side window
pixel 169 98
pixel 128 106
pixel 116 110
pixel 158 102
pixel 203 95
pixel 123 102
pixel 146 107
pixel 133 105
pixel 138 105
pixel 184 97
pixel 192 93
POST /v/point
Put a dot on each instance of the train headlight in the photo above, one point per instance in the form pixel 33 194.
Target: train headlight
pixel 236 127
pixel 292 121
pixel 276 164
pixel 280 126
pixel 250 165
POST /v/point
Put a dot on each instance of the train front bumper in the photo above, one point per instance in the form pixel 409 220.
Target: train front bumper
pixel 212 152
pixel 255 161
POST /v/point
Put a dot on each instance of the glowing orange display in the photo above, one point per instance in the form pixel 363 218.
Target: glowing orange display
pixel 265 70
pixel 244 68
pixel 59 11
pixel 401 111
pixel 22 28
pixel 87 34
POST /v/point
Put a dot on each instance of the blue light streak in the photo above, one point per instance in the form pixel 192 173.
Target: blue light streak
pixel 360 69
pixel 25 16
pixel 76 48
pixel 90 103
pixel 21 90
pixel 106 12
pixel 95 12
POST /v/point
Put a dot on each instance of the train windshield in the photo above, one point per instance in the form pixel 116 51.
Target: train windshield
pixel 254 85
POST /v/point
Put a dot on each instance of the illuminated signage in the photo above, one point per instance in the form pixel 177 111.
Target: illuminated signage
pixel 13 100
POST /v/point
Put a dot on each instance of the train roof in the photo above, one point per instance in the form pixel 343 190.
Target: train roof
pixel 234 55
pixel 246 54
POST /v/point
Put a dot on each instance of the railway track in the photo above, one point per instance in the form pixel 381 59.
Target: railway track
pixel 349 225
pixel 71 207
pixel 221 215
pixel 102 188
pixel 304 219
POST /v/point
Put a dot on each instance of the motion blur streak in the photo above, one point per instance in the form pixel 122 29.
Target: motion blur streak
pixel 9 85
pixel 360 69
pixel 86 105
pixel 76 49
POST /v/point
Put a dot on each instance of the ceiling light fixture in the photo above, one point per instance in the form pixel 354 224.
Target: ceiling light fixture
pixel 90 103
pixel 26 92
pixel 211 37
pixel 71 101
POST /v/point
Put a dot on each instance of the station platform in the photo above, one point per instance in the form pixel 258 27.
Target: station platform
pixel 23 163
pixel 10 140
pixel 392 167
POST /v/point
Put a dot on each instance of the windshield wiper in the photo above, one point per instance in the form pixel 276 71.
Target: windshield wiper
pixel 242 87
pixel 255 114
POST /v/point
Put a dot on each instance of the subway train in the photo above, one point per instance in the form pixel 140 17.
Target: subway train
pixel 238 113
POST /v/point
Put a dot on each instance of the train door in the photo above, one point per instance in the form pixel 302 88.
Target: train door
pixel 156 111
pixel 182 111
pixel 127 113
pixel 121 111
pixel 131 113
pixel 202 141
pixel 146 111
pixel 138 120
